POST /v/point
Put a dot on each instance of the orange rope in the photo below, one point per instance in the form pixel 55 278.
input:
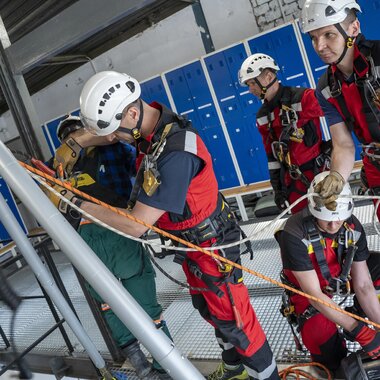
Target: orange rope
pixel 294 371
pixel 68 186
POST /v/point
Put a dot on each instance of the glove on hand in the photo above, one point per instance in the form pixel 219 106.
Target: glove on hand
pixel 67 155
pixel 280 200
pixel 71 215
pixel 329 189
pixel 368 338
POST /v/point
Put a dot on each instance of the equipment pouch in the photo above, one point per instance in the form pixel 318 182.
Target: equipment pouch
pixel 310 138
pixel 151 181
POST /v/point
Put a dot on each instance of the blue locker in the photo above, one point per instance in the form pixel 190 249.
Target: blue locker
pixel 154 90
pixel 192 98
pixel 238 109
pixel 281 44
pixel 6 193
pixel 369 18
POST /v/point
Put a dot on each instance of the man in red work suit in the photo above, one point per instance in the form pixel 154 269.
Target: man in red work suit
pixel 348 92
pixel 321 250
pixel 288 122
pixel 176 189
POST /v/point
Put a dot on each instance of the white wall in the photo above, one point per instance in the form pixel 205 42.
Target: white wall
pixel 168 44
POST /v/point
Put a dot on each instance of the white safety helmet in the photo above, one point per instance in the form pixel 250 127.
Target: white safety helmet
pixel 253 66
pixel 67 125
pixel 320 13
pixel 103 99
pixel 344 206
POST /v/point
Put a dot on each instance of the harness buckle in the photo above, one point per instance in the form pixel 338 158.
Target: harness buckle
pixel 338 287
pixel 279 150
pixel 294 171
pixel 337 90
pixel 323 160
pixel 372 150
pixel 288 115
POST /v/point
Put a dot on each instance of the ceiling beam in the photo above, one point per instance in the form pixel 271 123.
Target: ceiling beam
pixel 69 28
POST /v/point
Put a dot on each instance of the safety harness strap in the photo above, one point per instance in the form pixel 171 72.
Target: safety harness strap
pixel 318 244
pixel 210 281
pixel 367 82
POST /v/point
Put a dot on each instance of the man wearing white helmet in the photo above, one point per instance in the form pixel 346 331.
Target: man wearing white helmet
pixel 348 92
pixel 324 253
pixel 105 172
pixel 176 189
pixel 288 122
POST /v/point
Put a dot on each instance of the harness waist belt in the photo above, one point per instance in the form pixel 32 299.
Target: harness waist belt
pixel 210 227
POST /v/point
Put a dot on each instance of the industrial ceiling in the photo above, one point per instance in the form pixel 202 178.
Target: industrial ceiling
pixel 50 38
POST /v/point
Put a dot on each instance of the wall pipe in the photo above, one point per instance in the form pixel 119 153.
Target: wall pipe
pixel 94 271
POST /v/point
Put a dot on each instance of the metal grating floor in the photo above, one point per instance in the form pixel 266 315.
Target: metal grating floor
pixel 191 334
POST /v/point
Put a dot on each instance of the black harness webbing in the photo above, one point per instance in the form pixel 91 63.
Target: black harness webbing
pixel 318 244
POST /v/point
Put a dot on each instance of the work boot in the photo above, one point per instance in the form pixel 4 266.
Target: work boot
pixel 223 373
pixel 138 360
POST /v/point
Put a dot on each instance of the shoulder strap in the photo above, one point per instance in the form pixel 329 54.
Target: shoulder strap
pixel 336 92
pixel 350 248
pixel 318 243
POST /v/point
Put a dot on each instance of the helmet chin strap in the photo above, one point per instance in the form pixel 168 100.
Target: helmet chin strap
pixel 349 42
pixel 135 132
pixel 264 89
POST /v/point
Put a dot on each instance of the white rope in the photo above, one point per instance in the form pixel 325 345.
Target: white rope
pixel 174 248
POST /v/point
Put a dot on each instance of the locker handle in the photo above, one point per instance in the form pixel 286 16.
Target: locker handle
pixel 251 152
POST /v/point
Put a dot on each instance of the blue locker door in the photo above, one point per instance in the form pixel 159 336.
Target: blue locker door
pixel 6 193
pixel 249 105
pixel 223 68
pixel 210 127
pixel 264 44
pixel 369 18
pixel 192 98
pixel 153 90
pixel 281 44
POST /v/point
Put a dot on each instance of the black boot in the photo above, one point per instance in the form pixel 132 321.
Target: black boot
pixel 138 360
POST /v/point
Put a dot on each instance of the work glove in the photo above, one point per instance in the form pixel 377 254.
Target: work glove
pixel 67 155
pixel 71 215
pixel 368 338
pixel 281 200
pixel 329 189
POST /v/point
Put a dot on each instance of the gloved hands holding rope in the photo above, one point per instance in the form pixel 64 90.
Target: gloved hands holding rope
pixel 329 189
pixel 368 338
pixel 71 215
pixel 67 155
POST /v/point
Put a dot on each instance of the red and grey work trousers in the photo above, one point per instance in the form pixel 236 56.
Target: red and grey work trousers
pixel 246 344
pixel 322 339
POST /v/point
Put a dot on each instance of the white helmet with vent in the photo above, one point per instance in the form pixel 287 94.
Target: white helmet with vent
pixel 253 66
pixel 103 99
pixel 320 13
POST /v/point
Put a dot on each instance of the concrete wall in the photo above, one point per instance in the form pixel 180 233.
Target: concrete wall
pixel 168 44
